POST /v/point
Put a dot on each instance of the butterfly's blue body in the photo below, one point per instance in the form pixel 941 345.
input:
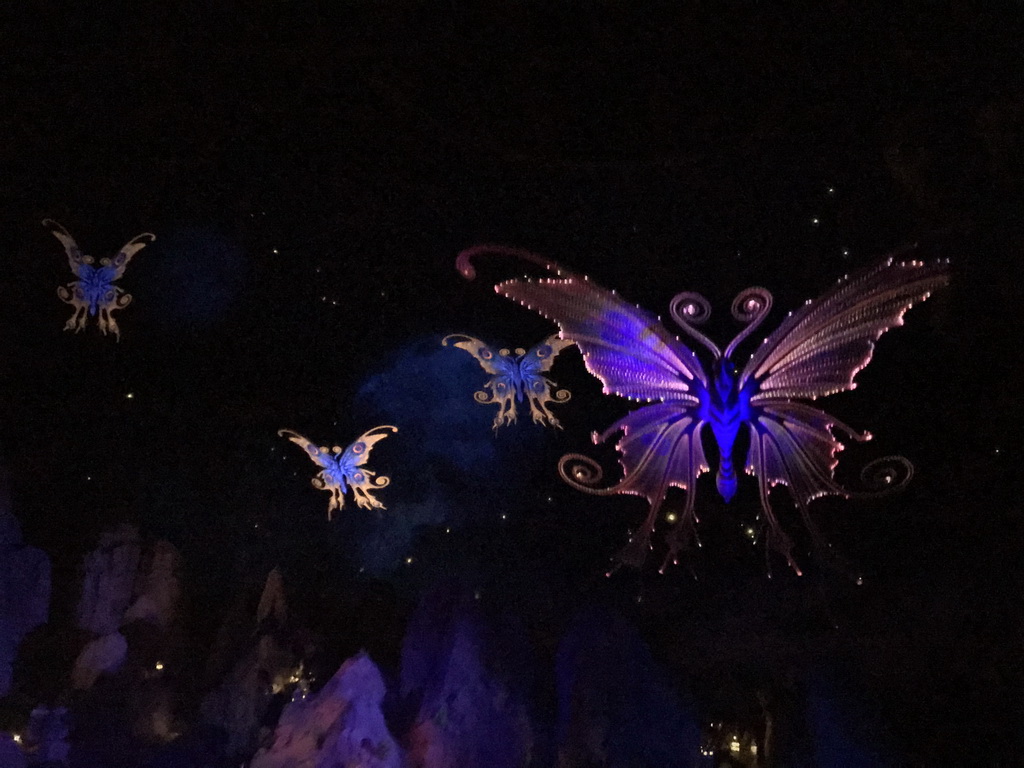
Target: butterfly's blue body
pixel 96 286
pixel 725 407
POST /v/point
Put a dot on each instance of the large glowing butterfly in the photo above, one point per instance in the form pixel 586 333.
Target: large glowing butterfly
pixel 342 470
pixel 94 294
pixel 517 376
pixel 817 351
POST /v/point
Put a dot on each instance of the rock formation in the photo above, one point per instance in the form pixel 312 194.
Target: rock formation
pixel 24 589
pixel 342 726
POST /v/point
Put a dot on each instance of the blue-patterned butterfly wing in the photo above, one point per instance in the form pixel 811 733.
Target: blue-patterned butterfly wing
pixel 818 350
pixel 504 387
pixel 634 356
pixel 343 469
pixel 363 482
pixel 538 388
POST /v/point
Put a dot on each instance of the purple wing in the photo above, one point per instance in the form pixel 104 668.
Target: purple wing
pixel 627 348
pixel 636 357
pixel 818 350
pixel 660 447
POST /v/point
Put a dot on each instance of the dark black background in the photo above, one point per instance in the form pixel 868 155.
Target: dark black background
pixel 311 170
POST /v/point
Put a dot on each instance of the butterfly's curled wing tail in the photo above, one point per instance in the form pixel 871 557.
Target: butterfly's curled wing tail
pixel 659 448
pixel 75 256
pixel 363 482
pixel 627 348
pixel 819 349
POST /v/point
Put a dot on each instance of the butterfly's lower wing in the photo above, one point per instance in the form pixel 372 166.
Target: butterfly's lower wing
pixel 538 387
pixel 634 356
pixel 363 482
pixel 326 479
pixel 794 444
pixel 660 447
pixel 500 389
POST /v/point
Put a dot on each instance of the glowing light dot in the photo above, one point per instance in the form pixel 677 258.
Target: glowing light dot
pixel 158 666
pixel 17 738
pixel 671 517
pixel 815 222
pixel 275 250
pixel 860 581
pixel 408 561
pixel 831 190
pixel 504 516
pixel 129 396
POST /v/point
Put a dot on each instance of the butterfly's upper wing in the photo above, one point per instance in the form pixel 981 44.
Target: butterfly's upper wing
pixel 817 351
pixel 321 457
pixel 76 259
pixel 114 267
pixel 535 385
pixel 504 382
pixel 636 357
pixel 626 347
pixel 362 481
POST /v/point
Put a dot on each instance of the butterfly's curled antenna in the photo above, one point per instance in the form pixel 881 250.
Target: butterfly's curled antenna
pixel 751 306
pixel 689 310
pixel 464 264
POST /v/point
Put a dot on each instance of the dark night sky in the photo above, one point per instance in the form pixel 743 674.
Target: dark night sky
pixel 310 172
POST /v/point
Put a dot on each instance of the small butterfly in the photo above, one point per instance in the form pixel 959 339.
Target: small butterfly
pixel 343 469
pixel 815 352
pixel 94 294
pixel 514 377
